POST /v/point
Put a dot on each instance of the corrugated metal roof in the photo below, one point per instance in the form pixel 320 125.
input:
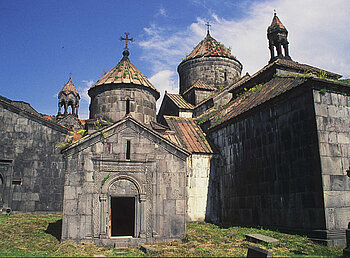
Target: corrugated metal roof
pixel 200 85
pixel 187 133
pixel 125 72
pixel 210 47
pixel 179 101
pixel 253 97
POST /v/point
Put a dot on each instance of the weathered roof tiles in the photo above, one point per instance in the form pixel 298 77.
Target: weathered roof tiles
pixel 125 72
pixel 179 101
pixel 200 85
pixel 187 134
pixel 209 47
pixel 69 88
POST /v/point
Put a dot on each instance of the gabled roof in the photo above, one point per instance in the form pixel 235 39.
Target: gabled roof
pixel 25 109
pixel 288 66
pixel 306 68
pixel 69 88
pixel 200 85
pixel 99 137
pixel 179 101
pixel 125 72
pixel 209 47
pixel 253 97
pixel 187 134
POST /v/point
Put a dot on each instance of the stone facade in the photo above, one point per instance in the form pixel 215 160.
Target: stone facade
pixel 284 161
pixel 31 169
pixel 332 111
pixel 214 71
pixel 109 102
pixel 99 169
pixel 270 174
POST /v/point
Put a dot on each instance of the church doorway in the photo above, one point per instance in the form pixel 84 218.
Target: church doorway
pixel 122 216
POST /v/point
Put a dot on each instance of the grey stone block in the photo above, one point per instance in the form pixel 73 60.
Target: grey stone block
pixel 254 251
pixel 258 238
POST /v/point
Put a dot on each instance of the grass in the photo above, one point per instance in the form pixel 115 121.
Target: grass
pixel 38 235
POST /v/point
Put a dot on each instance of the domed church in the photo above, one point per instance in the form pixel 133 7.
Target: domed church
pixel 270 149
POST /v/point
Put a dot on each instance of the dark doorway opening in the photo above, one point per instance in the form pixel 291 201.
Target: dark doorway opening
pixel 123 216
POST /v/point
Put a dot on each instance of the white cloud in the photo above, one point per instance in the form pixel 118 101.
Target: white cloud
pixel 85 99
pixel 164 80
pixel 317 36
pixel 83 90
pixel 162 12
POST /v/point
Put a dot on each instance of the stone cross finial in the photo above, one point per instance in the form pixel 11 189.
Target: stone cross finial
pixel 70 76
pixel 126 39
pixel 208 26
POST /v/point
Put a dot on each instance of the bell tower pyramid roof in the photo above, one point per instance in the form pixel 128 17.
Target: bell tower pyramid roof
pixel 69 88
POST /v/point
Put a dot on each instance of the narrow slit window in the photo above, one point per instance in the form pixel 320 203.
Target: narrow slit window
pixel 225 76
pixel 17 181
pixel 128 149
pixel 127 106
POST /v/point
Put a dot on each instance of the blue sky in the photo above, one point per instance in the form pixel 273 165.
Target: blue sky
pixel 42 41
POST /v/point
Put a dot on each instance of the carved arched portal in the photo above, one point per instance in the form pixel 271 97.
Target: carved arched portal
pixel 124 207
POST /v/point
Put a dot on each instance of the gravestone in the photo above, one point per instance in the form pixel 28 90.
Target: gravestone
pixel 346 251
pixel 254 251
pixel 258 238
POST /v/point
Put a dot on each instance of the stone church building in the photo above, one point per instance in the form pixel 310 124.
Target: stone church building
pixel 269 149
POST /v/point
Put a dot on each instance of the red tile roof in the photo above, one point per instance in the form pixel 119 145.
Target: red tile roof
pixel 200 85
pixel 179 101
pixel 125 72
pixel 69 88
pixel 209 47
pixel 186 133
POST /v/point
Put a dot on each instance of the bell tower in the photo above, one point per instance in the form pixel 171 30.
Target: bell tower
pixel 68 97
pixel 277 36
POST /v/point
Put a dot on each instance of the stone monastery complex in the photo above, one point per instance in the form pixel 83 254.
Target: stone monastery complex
pixel 270 149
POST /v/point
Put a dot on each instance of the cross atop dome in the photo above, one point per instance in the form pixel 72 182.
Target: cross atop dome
pixel 208 27
pixel 126 39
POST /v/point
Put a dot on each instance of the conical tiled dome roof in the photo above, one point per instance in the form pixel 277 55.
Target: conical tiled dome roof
pixel 276 24
pixel 210 47
pixel 125 72
pixel 69 88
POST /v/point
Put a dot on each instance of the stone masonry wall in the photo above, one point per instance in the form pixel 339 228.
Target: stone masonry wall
pixel 109 102
pixel 269 173
pixel 32 170
pixel 94 170
pixel 333 128
pixel 210 70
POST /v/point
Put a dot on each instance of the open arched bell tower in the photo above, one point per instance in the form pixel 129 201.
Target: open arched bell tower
pixel 68 97
pixel 277 36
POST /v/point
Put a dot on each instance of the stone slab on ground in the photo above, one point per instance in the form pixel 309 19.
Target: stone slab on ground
pixel 149 250
pixel 254 251
pixel 258 238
